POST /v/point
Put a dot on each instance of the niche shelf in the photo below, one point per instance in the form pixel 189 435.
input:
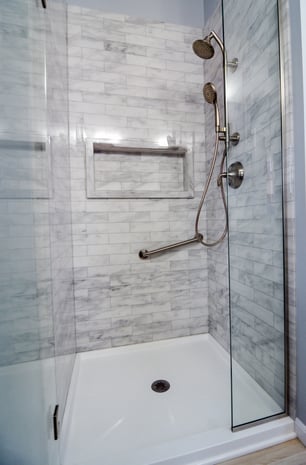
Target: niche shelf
pixel 131 171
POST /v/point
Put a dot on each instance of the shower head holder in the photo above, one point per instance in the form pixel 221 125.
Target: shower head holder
pixel 233 64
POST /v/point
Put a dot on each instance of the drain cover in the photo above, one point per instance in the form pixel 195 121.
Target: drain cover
pixel 160 385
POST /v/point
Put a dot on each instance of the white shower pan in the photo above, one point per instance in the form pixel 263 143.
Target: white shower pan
pixel 113 417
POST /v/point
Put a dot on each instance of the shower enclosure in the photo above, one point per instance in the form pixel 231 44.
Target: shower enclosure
pixel 141 140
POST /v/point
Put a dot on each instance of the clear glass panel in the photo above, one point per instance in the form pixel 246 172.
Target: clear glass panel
pixel 27 366
pixel 59 199
pixel 253 96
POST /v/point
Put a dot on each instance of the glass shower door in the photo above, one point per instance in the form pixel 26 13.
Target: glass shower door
pixel 256 258
pixel 59 201
pixel 27 365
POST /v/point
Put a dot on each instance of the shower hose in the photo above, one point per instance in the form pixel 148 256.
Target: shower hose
pixel 198 236
pixel 207 184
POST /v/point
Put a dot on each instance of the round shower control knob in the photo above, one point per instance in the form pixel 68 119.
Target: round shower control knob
pixel 235 175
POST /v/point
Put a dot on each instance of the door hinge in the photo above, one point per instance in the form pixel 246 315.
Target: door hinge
pixel 56 423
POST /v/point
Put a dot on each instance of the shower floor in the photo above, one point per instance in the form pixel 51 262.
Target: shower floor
pixel 113 416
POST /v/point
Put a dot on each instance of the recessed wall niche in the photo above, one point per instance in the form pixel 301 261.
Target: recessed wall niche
pixel 130 170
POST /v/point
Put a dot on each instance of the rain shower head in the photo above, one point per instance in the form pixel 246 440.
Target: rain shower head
pixel 203 48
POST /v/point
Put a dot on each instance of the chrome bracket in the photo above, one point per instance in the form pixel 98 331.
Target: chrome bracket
pixel 233 64
pixel 233 138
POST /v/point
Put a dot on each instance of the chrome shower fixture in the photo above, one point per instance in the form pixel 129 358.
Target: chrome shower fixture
pixel 234 175
pixel 203 48
pixel 210 95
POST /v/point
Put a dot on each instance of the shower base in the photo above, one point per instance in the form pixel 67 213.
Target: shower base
pixel 114 417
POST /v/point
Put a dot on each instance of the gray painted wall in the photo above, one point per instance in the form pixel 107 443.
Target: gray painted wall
pixel 189 13
pixel 300 204
pixel 210 6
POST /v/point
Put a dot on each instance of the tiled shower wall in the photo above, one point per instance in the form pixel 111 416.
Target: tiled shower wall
pixel 137 80
pixel 218 292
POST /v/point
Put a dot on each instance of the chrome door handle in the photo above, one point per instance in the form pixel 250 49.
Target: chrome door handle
pixel 44 3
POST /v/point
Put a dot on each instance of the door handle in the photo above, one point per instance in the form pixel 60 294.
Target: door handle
pixel 44 3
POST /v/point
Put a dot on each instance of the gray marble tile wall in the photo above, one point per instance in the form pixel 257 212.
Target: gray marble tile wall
pixel 133 79
pixel 218 283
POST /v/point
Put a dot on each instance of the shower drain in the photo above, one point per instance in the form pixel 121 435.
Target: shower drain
pixel 160 385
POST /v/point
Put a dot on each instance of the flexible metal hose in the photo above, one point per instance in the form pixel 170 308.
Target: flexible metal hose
pixel 143 254
pixel 207 184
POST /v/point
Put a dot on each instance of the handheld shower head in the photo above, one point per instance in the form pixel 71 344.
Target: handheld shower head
pixel 210 95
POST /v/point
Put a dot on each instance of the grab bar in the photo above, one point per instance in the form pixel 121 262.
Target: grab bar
pixel 143 254
pixel 174 150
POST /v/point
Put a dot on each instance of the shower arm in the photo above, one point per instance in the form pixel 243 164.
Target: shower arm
pixel 143 254
pixel 230 64
pixel 212 34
